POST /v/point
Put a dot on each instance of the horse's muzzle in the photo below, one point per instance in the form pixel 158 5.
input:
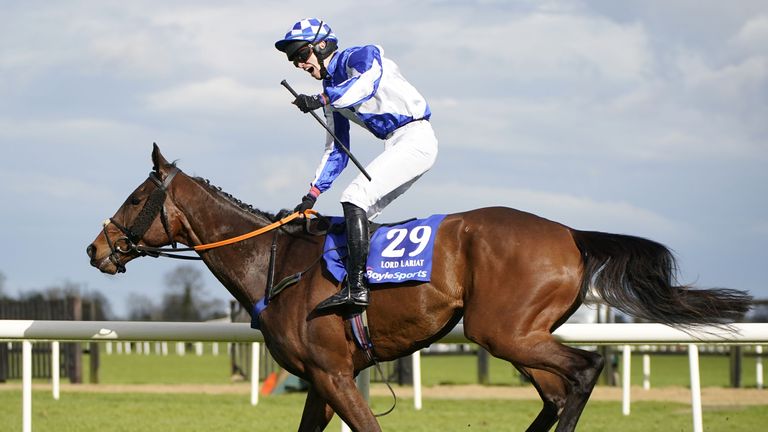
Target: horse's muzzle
pixel 104 264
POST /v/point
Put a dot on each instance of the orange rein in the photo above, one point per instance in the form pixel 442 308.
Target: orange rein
pixel 257 232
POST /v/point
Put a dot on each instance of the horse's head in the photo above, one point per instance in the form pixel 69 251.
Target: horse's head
pixel 148 217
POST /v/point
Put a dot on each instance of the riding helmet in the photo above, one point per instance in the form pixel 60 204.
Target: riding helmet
pixel 308 31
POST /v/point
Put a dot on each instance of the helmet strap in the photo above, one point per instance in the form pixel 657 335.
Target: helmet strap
pixel 320 60
pixel 318 52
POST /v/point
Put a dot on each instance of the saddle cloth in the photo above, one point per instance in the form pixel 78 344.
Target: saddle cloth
pixel 397 253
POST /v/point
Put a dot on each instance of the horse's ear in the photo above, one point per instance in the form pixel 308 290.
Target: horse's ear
pixel 158 160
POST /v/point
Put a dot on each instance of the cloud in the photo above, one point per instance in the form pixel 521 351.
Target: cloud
pixel 77 126
pixel 753 35
pixel 222 95
pixel 136 54
pixel 618 94
pixel 581 212
pixel 51 190
pixel 99 140
pixel 560 46
pixel 672 129
pixel 540 47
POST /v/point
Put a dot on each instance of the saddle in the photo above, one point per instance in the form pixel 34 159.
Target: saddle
pixel 398 252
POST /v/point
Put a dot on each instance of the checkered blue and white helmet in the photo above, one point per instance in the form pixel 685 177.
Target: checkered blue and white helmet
pixel 310 30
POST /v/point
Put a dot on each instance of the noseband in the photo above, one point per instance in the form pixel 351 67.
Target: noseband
pixel 154 206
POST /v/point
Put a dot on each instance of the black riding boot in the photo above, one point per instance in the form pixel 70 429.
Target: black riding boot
pixel 355 291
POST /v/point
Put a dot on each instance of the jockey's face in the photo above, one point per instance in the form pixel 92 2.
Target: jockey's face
pixel 307 60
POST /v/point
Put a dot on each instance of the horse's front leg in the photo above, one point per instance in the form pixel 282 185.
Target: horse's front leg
pixel 317 413
pixel 339 391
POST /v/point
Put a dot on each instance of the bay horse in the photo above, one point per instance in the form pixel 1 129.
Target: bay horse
pixel 513 277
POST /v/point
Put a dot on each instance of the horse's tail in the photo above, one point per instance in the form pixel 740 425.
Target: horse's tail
pixel 637 276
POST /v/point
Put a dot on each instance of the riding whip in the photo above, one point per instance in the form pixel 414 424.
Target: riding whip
pixel 338 141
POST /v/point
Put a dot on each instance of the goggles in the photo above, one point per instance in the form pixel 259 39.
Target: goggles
pixel 301 55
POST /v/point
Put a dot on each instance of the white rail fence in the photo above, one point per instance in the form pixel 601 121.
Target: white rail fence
pixel 574 334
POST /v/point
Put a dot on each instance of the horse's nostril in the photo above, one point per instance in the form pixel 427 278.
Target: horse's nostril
pixel 91 250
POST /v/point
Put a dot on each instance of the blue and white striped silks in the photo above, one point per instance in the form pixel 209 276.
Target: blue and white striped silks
pixel 366 88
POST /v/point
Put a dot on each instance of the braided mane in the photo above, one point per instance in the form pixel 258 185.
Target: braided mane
pixel 270 217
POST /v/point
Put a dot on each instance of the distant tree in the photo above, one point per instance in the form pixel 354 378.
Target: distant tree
pixel 759 312
pixel 142 308
pixel 186 298
pixel 66 290
pixel 101 306
pixel 2 286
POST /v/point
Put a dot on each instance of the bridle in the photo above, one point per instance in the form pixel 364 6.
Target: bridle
pixel 153 207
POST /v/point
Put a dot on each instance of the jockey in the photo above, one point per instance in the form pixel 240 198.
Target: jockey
pixel 362 86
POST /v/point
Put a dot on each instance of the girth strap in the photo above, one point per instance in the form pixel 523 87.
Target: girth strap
pixel 359 323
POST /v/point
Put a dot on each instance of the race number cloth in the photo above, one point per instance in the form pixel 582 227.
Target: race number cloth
pixel 397 253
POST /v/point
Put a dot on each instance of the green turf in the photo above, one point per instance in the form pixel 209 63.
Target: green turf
pixel 82 412
pixel 672 370
pixel 666 370
pixel 462 369
pixel 170 412
pixel 170 369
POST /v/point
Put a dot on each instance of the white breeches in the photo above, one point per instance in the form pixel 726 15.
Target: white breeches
pixel 408 153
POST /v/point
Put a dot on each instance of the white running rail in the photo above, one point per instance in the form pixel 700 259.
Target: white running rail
pixel 574 334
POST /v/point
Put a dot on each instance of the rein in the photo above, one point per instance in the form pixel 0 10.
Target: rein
pixel 154 207
pixel 160 251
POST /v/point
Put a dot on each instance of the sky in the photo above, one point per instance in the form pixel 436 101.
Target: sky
pixel 638 117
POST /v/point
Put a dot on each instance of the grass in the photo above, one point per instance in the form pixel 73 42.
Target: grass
pixel 666 370
pixel 170 369
pixel 80 411
pixel 672 370
pixel 462 369
pixel 83 412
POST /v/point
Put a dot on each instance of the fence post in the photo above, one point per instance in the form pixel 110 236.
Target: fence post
pixel 93 362
pixel 255 373
pixel 609 370
pixel 3 361
pixel 416 358
pixel 693 361
pixel 26 396
pixel 646 372
pixel 736 360
pixel 626 358
pixel 403 367
pixel 482 366
pixel 759 366
pixel 55 368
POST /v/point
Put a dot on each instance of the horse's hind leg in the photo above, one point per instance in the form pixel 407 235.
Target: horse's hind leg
pixel 553 393
pixel 582 386
pixel 578 369
pixel 317 413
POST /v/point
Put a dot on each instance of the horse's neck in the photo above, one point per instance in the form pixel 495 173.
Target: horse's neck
pixel 212 217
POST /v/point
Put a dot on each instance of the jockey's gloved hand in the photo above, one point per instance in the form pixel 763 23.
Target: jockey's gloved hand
pixel 307 103
pixel 307 202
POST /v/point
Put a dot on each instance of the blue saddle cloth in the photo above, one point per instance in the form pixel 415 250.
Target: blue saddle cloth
pixel 397 253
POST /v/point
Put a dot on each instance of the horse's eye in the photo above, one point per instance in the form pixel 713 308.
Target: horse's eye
pixel 135 201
